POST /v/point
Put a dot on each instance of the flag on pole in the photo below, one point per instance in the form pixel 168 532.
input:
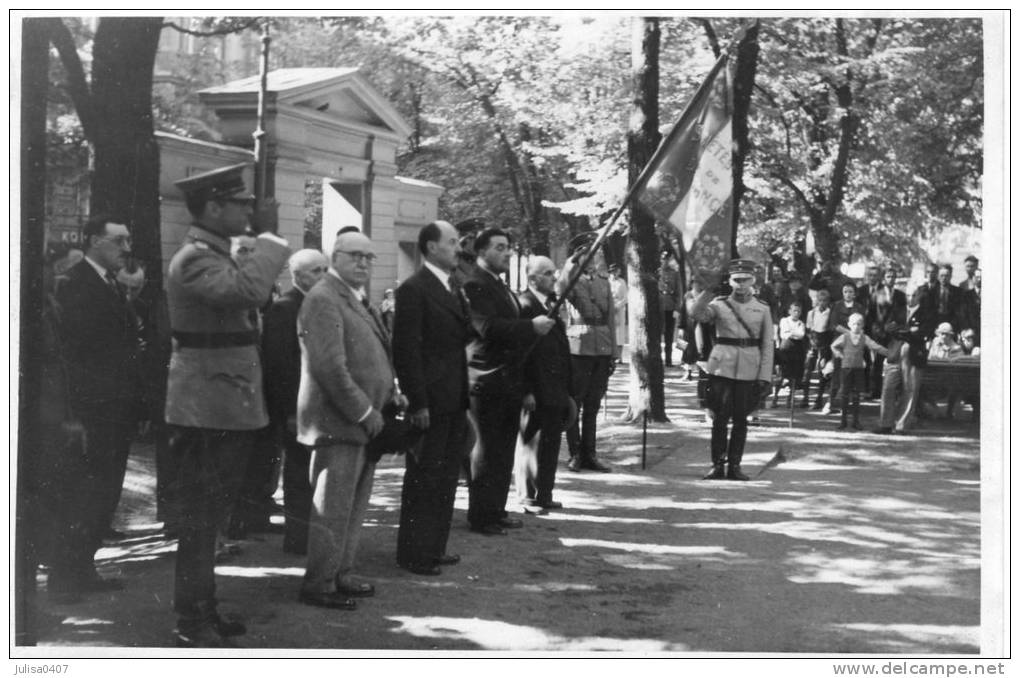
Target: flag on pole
pixel 690 186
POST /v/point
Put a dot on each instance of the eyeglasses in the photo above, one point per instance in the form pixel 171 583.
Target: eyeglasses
pixel 360 257
pixel 119 240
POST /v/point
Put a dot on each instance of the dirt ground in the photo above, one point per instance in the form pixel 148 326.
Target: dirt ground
pixel 858 543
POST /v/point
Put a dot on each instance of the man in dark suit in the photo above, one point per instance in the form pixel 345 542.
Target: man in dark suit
pixel 946 300
pixel 100 345
pixel 885 304
pixel 496 374
pixel 281 368
pixel 430 332
pixel 547 380
pixel 670 294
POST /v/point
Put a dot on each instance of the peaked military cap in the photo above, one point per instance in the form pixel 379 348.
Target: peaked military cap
pixel 742 266
pixel 581 241
pixel 470 226
pixel 223 182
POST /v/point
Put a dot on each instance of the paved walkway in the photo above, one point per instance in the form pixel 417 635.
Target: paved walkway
pixel 858 543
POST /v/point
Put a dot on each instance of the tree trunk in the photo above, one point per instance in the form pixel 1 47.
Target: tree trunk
pixel 642 251
pixel 34 85
pixel 743 86
pixel 126 177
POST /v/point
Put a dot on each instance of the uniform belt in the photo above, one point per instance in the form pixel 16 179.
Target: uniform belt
pixel 733 341
pixel 216 339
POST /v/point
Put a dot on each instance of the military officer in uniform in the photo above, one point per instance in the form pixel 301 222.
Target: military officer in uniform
pixel 593 355
pixel 214 401
pixel 740 365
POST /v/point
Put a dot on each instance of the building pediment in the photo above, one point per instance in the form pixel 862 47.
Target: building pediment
pixel 340 94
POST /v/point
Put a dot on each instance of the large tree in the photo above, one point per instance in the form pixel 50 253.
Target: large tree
pixel 643 246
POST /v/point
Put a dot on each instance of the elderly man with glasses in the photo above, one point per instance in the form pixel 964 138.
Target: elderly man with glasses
pixel 347 379
pixel 214 401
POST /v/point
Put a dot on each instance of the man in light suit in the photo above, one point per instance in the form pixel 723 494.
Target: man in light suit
pixel 281 357
pixel 886 304
pixel 100 345
pixel 497 381
pixel 346 379
pixel 547 382
pixel 430 332
pixel 214 401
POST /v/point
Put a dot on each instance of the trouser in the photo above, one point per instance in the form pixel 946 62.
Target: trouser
pixel 876 374
pixel 341 478
pixel 730 400
pixel 852 381
pixel 893 396
pixel 297 493
pixel 492 458
pixel 92 482
pixel 668 330
pixel 209 464
pixel 538 451
pixel 590 380
pixel 429 490
pixel 912 394
pixel 252 508
pixel 836 382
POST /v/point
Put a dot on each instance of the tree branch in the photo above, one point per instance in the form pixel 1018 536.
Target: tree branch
pixel 713 39
pixel 60 35
pixel 225 30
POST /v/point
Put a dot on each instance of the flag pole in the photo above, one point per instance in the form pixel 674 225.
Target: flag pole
pixel 260 135
pixel 663 145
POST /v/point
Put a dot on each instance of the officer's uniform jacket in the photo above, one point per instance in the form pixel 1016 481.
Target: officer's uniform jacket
pixel 669 289
pixel 215 377
pixel 592 317
pixel 743 363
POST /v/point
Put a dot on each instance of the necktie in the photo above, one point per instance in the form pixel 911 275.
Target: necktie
pixel 368 306
pixel 111 282
pixel 550 301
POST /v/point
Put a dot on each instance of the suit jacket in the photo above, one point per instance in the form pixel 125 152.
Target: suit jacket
pixel 208 293
pixel 281 355
pixel 430 334
pixel 100 340
pixel 954 313
pixel 345 365
pixel 547 372
pixel 500 336
pixel 884 307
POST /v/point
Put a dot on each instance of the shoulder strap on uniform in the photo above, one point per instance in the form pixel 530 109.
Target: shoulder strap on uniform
pixel 739 318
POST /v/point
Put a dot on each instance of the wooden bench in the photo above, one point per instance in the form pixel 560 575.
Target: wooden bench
pixel 962 376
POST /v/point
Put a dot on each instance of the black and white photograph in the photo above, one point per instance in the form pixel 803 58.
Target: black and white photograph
pixel 510 334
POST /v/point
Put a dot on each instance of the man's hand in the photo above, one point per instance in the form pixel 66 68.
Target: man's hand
pixel 542 324
pixel 706 280
pixel 373 423
pixel 528 404
pixel 266 218
pixel 400 401
pixel 420 419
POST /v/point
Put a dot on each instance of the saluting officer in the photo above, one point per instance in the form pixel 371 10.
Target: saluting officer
pixel 214 399
pixel 740 365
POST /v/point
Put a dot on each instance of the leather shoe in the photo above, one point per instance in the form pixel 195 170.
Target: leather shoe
pixel 883 430
pixel 551 505
pixel 736 474
pixel 595 465
pixel 204 636
pixel 355 589
pixel 448 559
pixel 95 584
pixel 492 529
pixel 229 627
pixel 574 464
pixel 425 570
pixel 718 472
pixel 510 523
pixel 334 600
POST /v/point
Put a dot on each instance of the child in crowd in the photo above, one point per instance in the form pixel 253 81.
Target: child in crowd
pixel 849 348
pixel 790 356
pixel 943 346
pixel 819 337
pixel 839 319
pixel 968 343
